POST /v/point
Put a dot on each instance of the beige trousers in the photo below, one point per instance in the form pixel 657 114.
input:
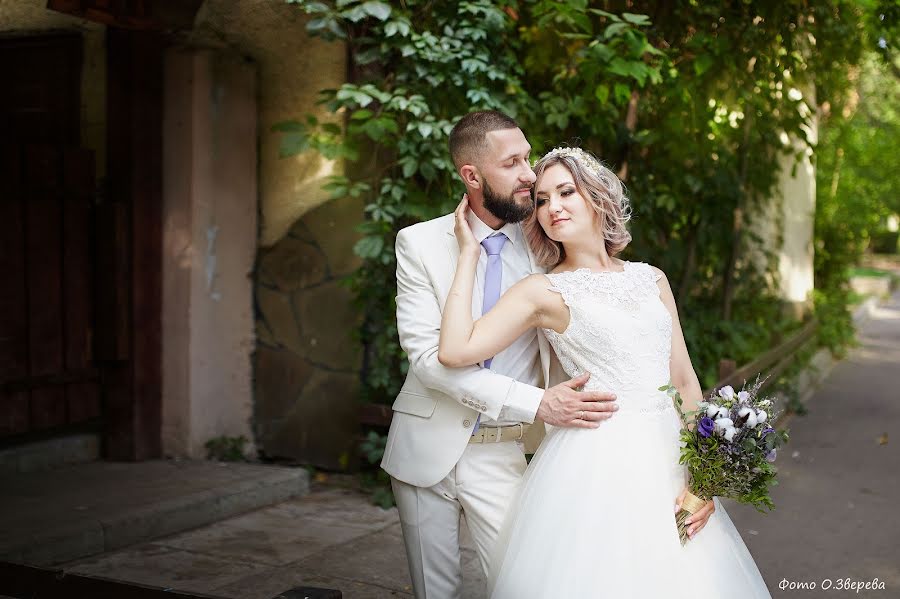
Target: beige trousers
pixel 481 486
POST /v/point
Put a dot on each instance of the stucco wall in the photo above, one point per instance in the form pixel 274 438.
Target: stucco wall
pixel 209 242
pixel 31 17
pixel 292 69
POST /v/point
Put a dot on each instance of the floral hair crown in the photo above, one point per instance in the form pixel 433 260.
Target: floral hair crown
pixel 578 154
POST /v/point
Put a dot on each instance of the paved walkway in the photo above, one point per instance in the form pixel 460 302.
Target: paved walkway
pixel 836 506
pixel 835 517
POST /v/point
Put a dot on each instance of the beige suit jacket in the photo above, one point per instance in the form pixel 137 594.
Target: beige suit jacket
pixel 436 409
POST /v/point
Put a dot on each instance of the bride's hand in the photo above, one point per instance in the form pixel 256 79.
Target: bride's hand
pixel 696 521
pixel 468 245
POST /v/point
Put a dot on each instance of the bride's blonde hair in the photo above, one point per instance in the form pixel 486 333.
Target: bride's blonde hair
pixel 595 183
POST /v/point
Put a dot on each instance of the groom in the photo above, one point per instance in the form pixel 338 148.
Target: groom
pixel 452 445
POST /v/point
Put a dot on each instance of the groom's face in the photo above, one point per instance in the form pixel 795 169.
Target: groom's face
pixel 507 178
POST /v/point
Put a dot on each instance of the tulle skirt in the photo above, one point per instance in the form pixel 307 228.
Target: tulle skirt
pixel 595 518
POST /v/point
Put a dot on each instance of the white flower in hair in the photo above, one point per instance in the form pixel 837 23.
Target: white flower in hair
pixel 576 153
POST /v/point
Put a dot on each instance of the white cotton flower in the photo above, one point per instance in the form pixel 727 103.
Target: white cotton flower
pixel 743 396
pixel 729 433
pixel 724 412
pixel 727 392
pixel 712 410
pixel 724 423
pixel 761 416
pixel 749 414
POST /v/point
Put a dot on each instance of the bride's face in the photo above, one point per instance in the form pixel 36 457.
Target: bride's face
pixel 562 211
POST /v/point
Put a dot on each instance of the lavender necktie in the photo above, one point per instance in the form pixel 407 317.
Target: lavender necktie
pixel 493 276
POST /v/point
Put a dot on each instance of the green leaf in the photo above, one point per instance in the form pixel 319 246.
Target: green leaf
pixel 602 93
pixel 603 13
pixel 318 24
pixel 369 247
pixel 379 10
pixel 622 93
pixel 425 129
pixel 314 7
pixel 359 115
pixel 702 63
pixel 636 19
pixel 293 143
pixel 614 29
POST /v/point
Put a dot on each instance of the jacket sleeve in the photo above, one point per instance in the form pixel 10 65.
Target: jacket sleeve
pixel 419 327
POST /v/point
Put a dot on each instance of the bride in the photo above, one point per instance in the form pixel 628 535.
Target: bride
pixel 595 514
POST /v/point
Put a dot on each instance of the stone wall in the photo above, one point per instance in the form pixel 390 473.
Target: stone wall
pixel 307 364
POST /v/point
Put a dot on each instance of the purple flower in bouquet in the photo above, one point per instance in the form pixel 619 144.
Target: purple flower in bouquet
pixel 770 457
pixel 706 426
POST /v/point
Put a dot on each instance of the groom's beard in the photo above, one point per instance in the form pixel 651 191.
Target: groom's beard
pixel 505 207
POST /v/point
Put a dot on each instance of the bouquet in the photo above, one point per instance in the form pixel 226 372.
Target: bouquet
pixel 729 449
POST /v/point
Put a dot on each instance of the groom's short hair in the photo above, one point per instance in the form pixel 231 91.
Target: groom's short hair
pixel 467 139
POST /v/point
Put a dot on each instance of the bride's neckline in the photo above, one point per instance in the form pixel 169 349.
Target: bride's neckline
pixel 625 266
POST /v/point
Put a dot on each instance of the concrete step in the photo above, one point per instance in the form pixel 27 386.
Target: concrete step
pixel 56 516
pixel 50 454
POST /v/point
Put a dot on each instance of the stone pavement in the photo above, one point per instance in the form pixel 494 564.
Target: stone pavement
pixel 835 511
pixel 332 538
pixel 836 506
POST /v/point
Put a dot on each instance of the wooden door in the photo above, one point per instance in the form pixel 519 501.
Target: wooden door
pixel 48 377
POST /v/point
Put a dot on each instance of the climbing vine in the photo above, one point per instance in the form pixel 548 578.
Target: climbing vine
pixel 695 105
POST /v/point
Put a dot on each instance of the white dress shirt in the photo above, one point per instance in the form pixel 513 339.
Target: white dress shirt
pixel 521 360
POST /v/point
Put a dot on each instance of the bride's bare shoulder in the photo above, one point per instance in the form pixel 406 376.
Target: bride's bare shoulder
pixel 537 288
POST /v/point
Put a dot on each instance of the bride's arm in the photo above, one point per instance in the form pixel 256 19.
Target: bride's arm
pixel 685 380
pixel 464 342
pixel 681 370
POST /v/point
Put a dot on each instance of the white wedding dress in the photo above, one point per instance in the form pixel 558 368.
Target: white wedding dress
pixel 595 517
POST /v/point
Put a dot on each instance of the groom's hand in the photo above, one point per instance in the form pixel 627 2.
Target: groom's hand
pixel 562 405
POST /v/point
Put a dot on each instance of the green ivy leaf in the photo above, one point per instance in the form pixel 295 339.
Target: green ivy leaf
pixel 293 143
pixel 634 19
pixel 379 10
pixel 369 247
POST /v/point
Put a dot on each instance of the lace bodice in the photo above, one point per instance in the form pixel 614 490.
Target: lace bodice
pixel 619 331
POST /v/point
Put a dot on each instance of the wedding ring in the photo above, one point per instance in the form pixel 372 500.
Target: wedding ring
pixel 581 415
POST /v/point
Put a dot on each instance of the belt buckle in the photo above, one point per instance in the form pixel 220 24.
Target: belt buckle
pixel 521 431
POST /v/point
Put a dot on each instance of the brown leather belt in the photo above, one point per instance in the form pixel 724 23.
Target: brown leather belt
pixel 499 434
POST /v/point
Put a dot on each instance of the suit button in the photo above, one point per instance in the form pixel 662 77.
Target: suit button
pixel 467 423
